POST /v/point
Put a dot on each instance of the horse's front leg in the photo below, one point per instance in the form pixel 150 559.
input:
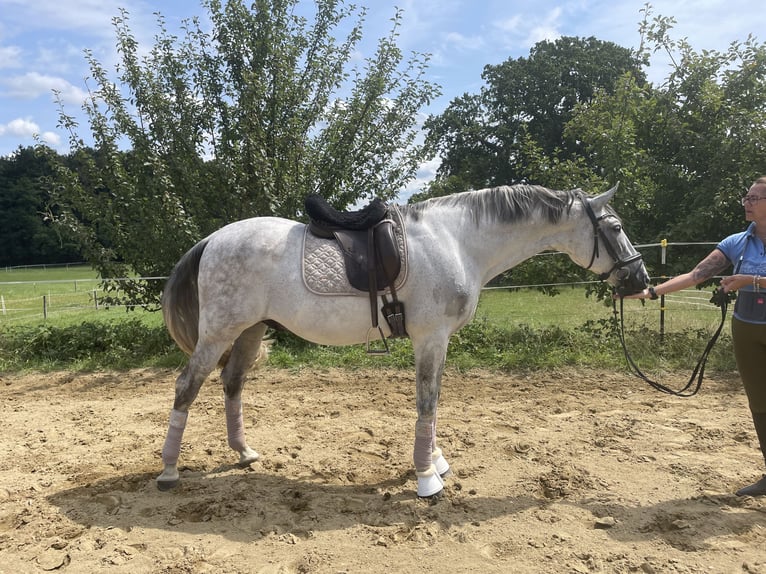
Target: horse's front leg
pixel 430 464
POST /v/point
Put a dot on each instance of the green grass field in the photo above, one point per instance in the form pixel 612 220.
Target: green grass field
pixel 50 319
pixel 571 308
pixel 70 296
pixel 58 296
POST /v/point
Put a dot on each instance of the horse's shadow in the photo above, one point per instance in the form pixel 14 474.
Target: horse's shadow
pixel 248 506
pixel 688 524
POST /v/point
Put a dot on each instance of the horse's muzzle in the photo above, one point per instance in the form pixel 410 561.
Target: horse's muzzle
pixel 631 278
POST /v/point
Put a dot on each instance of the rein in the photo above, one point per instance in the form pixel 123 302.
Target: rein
pixel 721 299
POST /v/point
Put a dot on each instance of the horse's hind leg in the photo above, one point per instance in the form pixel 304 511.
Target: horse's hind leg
pixel 188 384
pixel 245 351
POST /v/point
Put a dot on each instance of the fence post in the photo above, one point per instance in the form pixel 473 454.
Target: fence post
pixel 95 299
pixel 45 306
pixel 2 301
pixel 663 276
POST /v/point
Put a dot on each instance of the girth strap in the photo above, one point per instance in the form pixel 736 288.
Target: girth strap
pixel 372 276
pixel 389 265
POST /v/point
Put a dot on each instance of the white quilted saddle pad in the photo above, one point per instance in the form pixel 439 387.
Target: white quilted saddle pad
pixel 324 269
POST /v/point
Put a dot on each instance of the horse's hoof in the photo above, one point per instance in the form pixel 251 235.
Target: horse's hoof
pixel 164 485
pixel 168 479
pixel 248 457
pixel 441 464
pixel 429 483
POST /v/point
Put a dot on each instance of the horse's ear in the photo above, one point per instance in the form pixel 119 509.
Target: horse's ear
pixel 606 197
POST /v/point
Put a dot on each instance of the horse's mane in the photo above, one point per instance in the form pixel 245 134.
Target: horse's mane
pixel 507 204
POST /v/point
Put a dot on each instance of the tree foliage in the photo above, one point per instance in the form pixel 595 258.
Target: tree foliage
pixel 684 150
pixel 243 120
pixel 483 139
pixel 26 234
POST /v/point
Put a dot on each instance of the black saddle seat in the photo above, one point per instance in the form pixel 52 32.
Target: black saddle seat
pixel 325 218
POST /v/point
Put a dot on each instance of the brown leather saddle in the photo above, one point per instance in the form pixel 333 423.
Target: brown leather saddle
pixel 370 252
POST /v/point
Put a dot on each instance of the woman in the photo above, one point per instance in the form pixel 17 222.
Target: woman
pixel 746 251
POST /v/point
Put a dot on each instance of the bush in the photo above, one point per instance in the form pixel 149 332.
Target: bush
pixel 129 343
pixel 118 344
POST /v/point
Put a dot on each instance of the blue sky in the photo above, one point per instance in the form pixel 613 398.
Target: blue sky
pixel 42 43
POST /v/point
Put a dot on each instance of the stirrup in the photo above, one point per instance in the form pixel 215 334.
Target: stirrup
pixel 384 351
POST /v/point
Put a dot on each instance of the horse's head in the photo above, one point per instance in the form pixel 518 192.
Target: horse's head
pixel 614 258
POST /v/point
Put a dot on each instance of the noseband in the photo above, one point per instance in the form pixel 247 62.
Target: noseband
pixel 619 262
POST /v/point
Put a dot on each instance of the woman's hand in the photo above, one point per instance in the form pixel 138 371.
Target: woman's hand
pixel 640 295
pixel 735 282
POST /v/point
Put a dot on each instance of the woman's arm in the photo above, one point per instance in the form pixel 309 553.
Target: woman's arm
pixel 714 264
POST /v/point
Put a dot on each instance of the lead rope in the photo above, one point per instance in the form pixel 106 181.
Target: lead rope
pixel 721 299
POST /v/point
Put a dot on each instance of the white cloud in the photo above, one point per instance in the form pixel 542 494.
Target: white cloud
pixel 510 25
pixel 462 42
pixel 425 174
pixel 93 16
pixel 25 129
pixel 10 57
pixel 525 26
pixel 53 34
pixel 20 127
pixel 33 85
pixel 547 29
pixel 51 138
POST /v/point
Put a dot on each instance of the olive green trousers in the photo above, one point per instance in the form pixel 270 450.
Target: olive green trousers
pixel 750 352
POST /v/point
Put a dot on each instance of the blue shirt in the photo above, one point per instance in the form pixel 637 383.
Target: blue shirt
pixel 747 248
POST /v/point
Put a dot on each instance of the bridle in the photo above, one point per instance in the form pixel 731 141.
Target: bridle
pixel 598 232
pixel 720 298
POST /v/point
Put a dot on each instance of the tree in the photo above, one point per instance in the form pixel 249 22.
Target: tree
pixel 687 149
pixel 483 139
pixel 244 120
pixel 684 151
pixel 25 231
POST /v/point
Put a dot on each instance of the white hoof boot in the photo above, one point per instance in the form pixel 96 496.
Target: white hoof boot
pixel 441 464
pixel 429 483
pixel 248 456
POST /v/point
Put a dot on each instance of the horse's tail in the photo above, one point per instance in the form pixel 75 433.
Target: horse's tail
pixel 180 300
pixel 180 305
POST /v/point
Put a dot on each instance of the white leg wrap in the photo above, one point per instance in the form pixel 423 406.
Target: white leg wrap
pixel 429 482
pixel 441 464
pixel 172 446
pixel 235 426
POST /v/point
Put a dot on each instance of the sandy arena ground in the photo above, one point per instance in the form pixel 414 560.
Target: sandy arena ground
pixel 575 471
